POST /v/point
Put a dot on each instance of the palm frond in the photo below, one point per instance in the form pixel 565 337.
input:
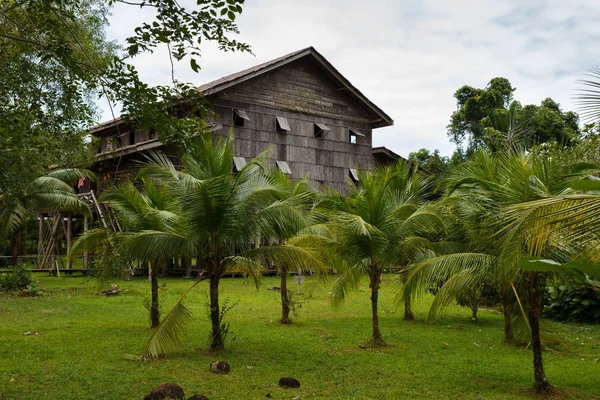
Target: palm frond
pixel 171 330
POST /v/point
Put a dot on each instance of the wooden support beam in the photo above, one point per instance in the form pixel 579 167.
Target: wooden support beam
pixel 69 238
pixel 40 239
pixel 85 253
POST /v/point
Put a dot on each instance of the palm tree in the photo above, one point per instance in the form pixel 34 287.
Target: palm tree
pixel 377 227
pixel 297 229
pixel 220 216
pixel 486 187
pixel 150 209
pixel 53 191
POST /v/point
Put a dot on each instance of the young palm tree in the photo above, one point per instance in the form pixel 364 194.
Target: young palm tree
pixel 150 209
pixel 53 191
pixel 376 228
pixel 295 230
pixel 485 187
pixel 220 216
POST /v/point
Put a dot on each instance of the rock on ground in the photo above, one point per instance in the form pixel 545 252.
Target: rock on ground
pixel 166 391
pixel 220 367
pixel 289 382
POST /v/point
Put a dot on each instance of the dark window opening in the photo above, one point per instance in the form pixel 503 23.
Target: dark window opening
pixel 240 117
pixel 283 125
pixel 152 135
pixel 131 138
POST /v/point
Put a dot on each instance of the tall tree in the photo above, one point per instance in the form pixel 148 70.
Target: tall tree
pixel 488 118
pixel 55 59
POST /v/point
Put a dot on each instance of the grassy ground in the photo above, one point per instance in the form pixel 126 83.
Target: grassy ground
pixel 85 341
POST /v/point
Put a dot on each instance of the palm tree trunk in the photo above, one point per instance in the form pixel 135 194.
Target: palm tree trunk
pixel 215 316
pixel 285 301
pixel 508 332
pixel 15 245
pixel 474 307
pixel 408 314
pixel 374 284
pixel 541 382
pixel 154 308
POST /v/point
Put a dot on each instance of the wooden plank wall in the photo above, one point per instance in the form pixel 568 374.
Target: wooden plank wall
pixel 304 95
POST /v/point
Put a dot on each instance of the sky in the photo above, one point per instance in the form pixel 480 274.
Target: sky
pixel 408 57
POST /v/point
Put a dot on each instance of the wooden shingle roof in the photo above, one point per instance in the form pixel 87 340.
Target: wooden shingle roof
pixel 380 117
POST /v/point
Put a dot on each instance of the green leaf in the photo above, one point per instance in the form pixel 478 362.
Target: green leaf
pixel 577 268
pixel 194 65
pixel 231 15
pixel 586 185
pixel 133 50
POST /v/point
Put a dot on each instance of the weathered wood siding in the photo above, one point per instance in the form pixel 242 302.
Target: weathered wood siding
pixel 304 95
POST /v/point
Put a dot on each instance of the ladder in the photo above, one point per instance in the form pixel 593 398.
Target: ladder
pixel 105 213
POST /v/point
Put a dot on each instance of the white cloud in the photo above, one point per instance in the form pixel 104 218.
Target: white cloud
pixel 408 57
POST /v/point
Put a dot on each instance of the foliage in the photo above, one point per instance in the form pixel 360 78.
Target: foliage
pixel 382 223
pixel 15 281
pixel 489 118
pixel 574 302
pixel 431 161
pixel 214 215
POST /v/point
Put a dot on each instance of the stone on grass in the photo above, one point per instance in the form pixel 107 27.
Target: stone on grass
pixel 219 367
pixel 289 382
pixel 166 391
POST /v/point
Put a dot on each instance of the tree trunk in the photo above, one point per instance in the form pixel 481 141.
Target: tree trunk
pixel 186 263
pixel 508 332
pixel 474 307
pixel 377 338
pixel 154 307
pixel 166 264
pixel 285 301
pixel 15 246
pixel 541 382
pixel 408 314
pixel 215 315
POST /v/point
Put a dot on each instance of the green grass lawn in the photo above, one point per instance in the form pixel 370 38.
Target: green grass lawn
pixel 85 344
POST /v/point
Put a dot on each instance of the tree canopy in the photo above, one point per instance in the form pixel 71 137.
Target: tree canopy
pixel 55 60
pixel 489 118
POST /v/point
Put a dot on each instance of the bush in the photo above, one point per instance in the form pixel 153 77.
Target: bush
pixel 574 302
pixel 18 280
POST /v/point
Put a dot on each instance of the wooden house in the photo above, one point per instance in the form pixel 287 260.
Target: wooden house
pixel 313 119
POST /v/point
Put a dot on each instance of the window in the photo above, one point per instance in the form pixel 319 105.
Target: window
pixel 282 125
pixel 238 163
pixel 131 138
pixel 152 135
pixel 354 175
pixel 353 135
pixel 321 130
pixel 240 117
pixel 284 167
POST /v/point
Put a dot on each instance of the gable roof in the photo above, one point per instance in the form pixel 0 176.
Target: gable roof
pixel 381 118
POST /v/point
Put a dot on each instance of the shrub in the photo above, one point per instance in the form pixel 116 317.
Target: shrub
pixel 18 280
pixel 574 302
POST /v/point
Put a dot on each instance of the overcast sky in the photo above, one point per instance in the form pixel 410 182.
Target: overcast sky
pixel 408 57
